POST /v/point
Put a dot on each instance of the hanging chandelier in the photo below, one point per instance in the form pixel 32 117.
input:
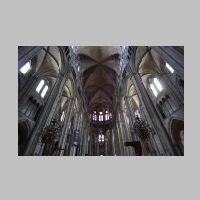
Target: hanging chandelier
pixel 142 128
pixel 50 133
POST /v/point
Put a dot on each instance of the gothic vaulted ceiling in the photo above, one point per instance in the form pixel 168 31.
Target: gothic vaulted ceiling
pixel 100 68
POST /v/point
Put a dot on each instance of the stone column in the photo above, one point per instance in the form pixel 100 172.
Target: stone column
pixel 173 57
pixel 79 126
pixel 121 138
pixel 121 149
pixel 47 114
pixel 113 141
pixel 130 111
pixel 131 116
pixel 173 89
pixel 88 145
pixel 26 53
pixel 153 116
pixel 154 145
pixel 63 137
pixel 28 88
pixel 83 140
pixel 116 141
pixel 97 146
pixel 125 133
pixel 82 137
pixel 106 146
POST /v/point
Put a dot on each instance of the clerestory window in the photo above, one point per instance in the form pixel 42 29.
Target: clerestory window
pixel 44 91
pixel 169 68
pixel 156 87
pixel 39 87
pixel 101 138
pixel 26 68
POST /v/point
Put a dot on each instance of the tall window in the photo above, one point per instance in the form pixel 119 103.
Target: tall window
pixel 101 138
pixel 100 116
pixel 94 116
pixel 169 68
pixel 156 87
pixel 44 91
pixel 106 115
pixel 25 68
pixel 39 87
pixel 62 116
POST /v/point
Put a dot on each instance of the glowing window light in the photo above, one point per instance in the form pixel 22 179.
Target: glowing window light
pixel 106 116
pixel 169 68
pixel 157 83
pixel 137 113
pixel 62 116
pixel 101 138
pixel 39 87
pixel 154 89
pixel 44 91
pixel 100 118
pixel 95 117
pixel 26 68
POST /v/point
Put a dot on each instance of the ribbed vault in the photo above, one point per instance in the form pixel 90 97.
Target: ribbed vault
pixel 99 74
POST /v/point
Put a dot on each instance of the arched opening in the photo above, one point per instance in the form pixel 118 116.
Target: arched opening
pixel 22 137
pixel 177 130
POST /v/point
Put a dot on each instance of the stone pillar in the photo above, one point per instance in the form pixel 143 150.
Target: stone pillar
pixel 131 116
pixel 173 89
pixel 28 88
pixel 89 148
pixel 121 150
pixel 82 136
pixel 125 133
pixel 121 138
pixel 154 145
pixel 83 140
pixel 63 137
pixel 173 57
pixel 153 116
pixel 97 146
pixel 130 111
pixel 113 141
pixel 46 115
pixel 116 141
pixel 26 53
pixel 106 146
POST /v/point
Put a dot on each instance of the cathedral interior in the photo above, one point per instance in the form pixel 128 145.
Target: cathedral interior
pixel 100 100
